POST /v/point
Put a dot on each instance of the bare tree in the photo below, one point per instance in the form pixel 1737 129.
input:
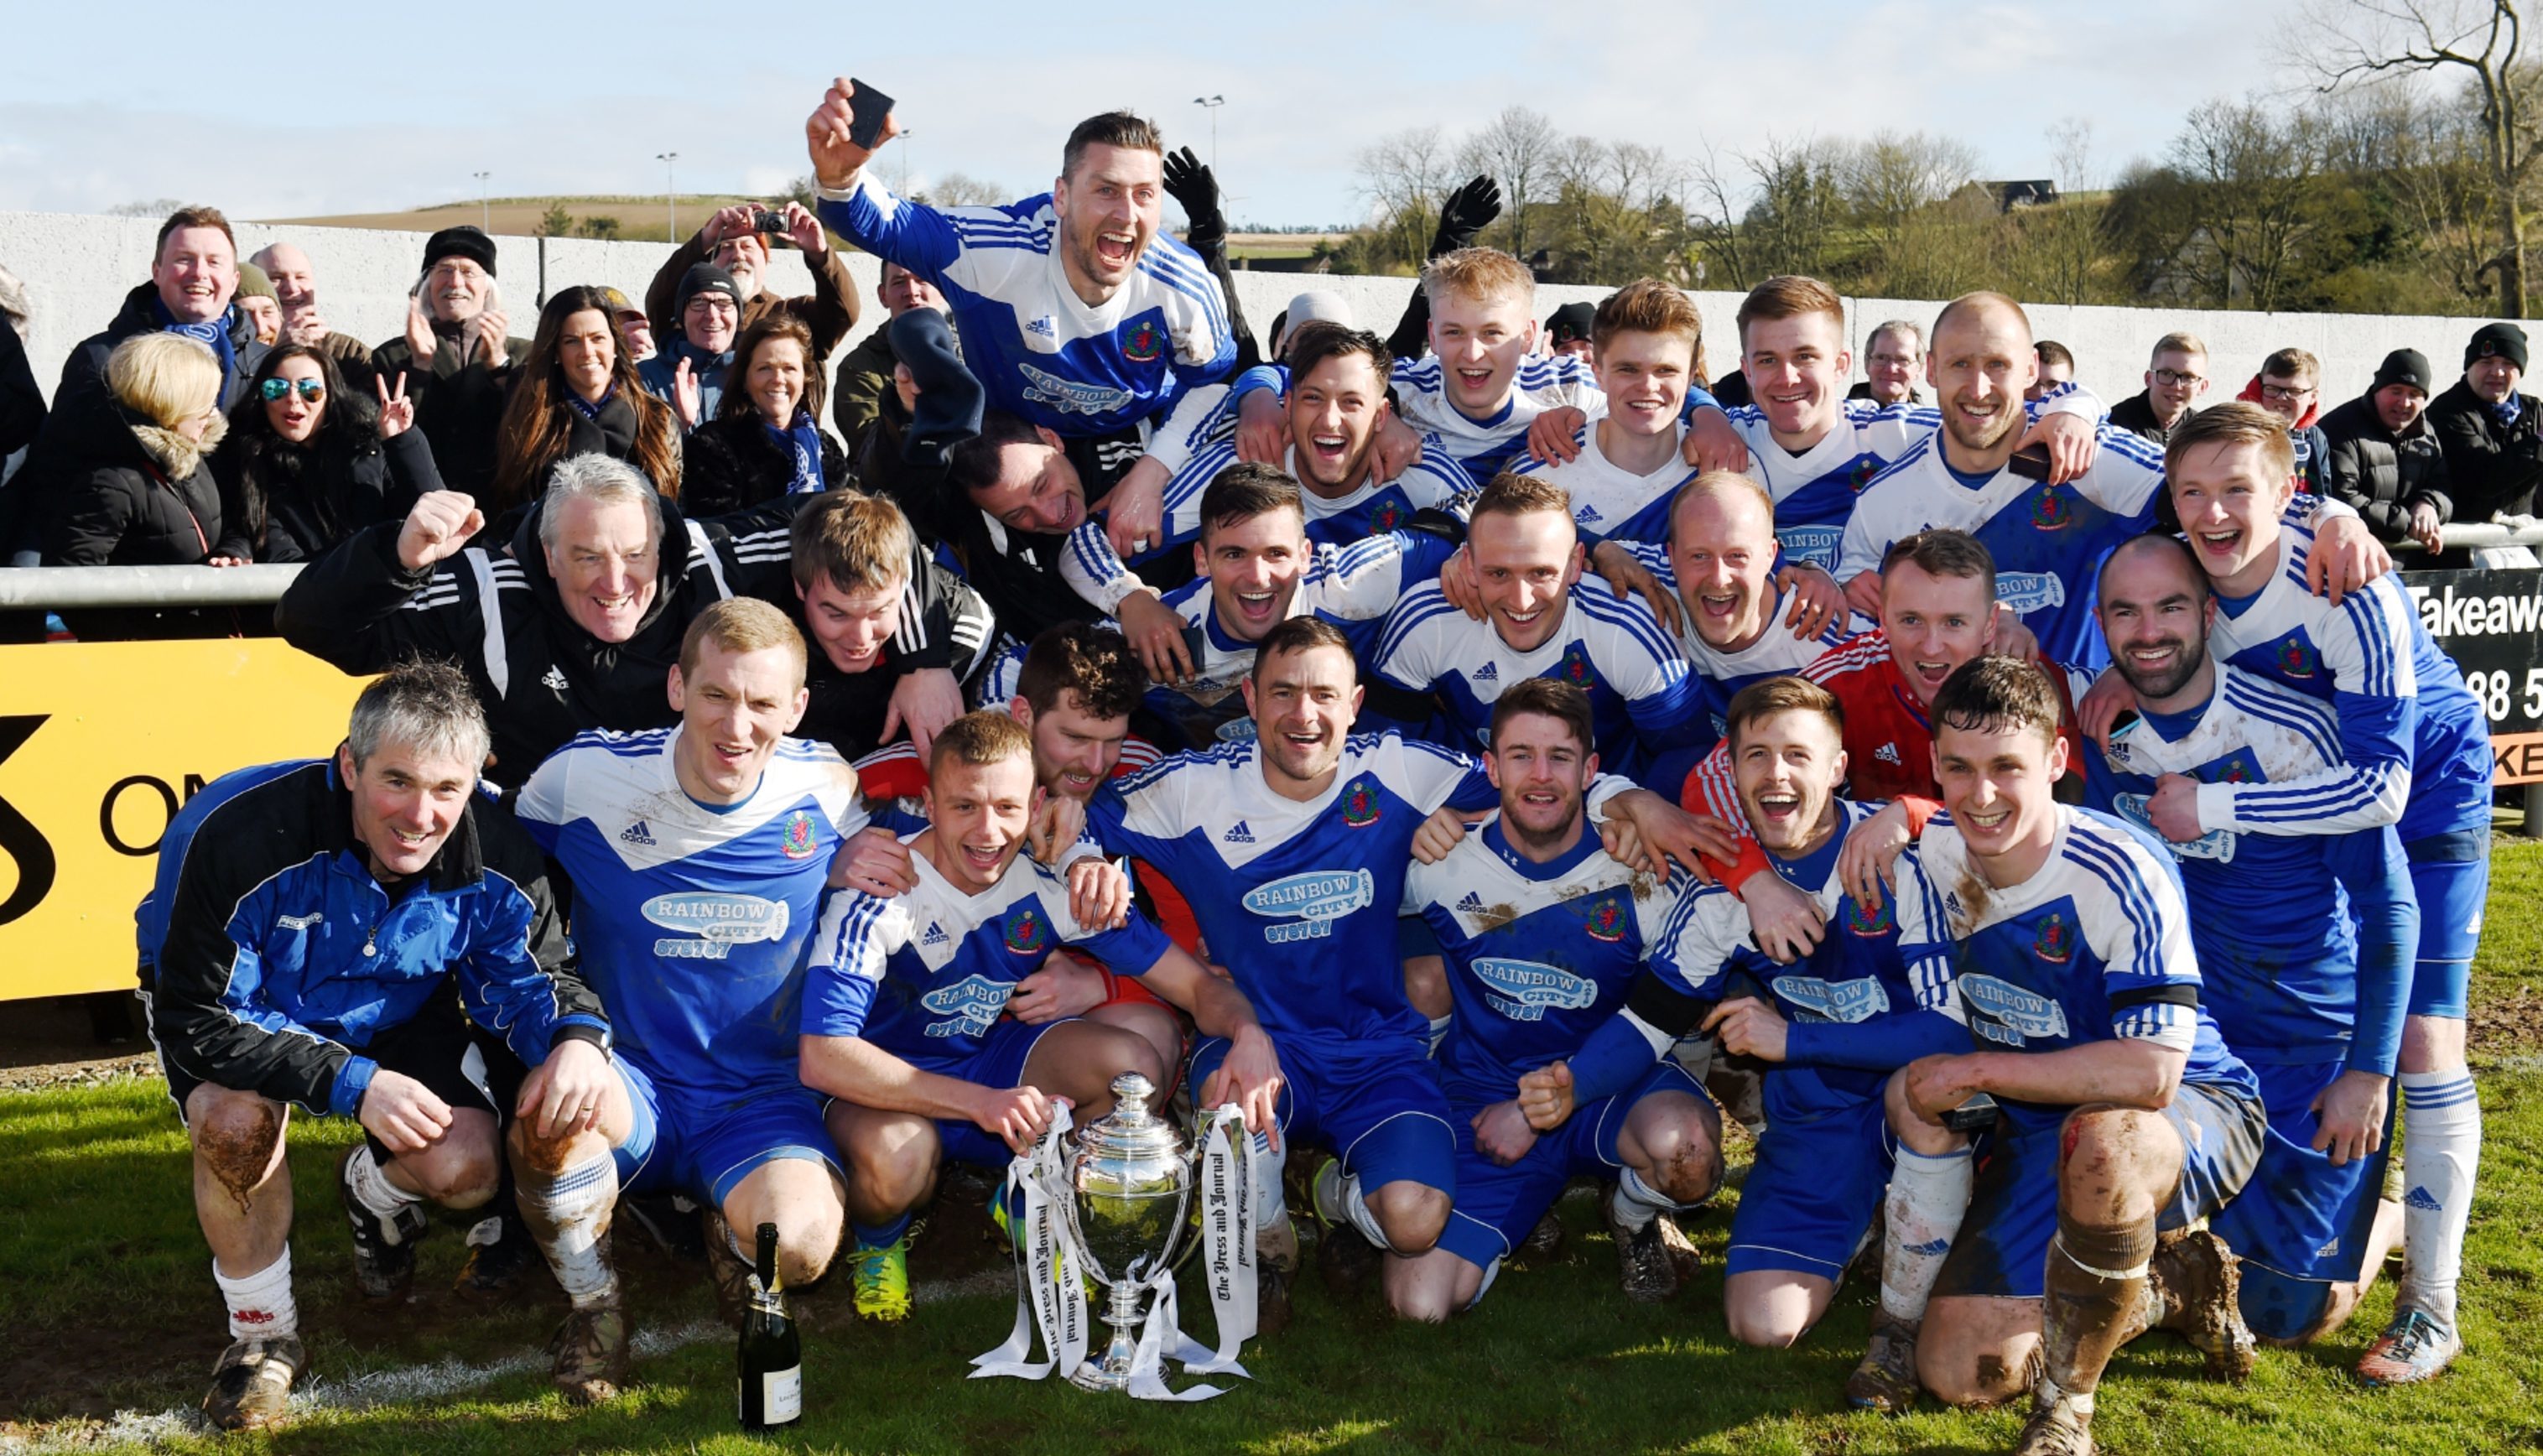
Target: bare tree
pixel 1402 175
pixel 960 189
pixel 2360 40
pixel 1518 149
pixel 2059 246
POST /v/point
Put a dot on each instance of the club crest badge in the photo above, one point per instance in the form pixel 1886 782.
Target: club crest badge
pixel 1143 344
pixel 1359 804
pixel 799 842
pixel 1025 932
pixel 2050 511
pixel 1865 468
pixel 2295 658
pixel 2054 942
pixel 1574 668
pixel 1386 518
pixel 1872 920
pixel 1606 921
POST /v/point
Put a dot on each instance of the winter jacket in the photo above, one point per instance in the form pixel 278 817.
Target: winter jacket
pixel 733 463
pixel 847 710
pixel 2491 468
pixel 2382 474
pixel 22 400
pixel 828 312
pixel 541 677
pixel 458 402
pixel 863 387
pixel 661 375
pixel 272 961
pixel 141 497
pixel 82 408
pixel 313 499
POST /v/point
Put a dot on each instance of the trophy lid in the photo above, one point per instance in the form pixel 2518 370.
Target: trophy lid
pixel 1130 1130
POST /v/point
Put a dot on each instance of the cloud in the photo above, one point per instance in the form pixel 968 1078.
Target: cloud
pixel 565 107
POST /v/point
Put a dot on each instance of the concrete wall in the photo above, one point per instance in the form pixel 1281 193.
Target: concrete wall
pixel 78 269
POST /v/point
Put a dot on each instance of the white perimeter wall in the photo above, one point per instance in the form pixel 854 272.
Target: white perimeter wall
pixel 79 268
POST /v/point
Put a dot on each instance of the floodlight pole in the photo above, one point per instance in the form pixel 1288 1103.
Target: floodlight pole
pixel 670 192
pixel 1211 104
pixel 485 204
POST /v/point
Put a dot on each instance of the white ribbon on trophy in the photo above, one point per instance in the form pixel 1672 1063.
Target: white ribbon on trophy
pixel 1054 1304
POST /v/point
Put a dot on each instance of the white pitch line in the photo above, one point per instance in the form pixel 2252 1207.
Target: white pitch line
pixel 410 1382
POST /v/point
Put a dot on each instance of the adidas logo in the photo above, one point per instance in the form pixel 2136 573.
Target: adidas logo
pixel 1237 835
pixel 2421 1198
pixel 554 680
pixel 935 935
pixel 1044 326
pixel 1471 904
pixel 1929 1250
pixel 1487 673
pixel 1886 753
pixel 2327 1250
pixel 1588 514
pixel 636 833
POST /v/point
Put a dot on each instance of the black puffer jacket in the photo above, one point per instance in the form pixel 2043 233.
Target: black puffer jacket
pixel 141 495
pixel 732 462
pixel 83 412
pixel 2491 469
pixel 2382 474
pixel 295 502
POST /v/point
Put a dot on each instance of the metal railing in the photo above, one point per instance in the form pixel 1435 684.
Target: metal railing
pixel 55 587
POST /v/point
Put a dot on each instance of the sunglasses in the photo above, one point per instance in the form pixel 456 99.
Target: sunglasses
pixel 312 390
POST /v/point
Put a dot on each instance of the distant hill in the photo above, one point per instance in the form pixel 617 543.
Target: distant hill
pixel 638 219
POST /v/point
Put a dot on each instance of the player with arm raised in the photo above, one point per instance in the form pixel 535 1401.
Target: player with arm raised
pixel 2119 1113
pixel 905 1024
pixel 2413 751
pixel 1545 935
pixel 2310 995
pixel 1076 310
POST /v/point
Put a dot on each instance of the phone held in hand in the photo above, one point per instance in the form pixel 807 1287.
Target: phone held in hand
pixel 866 113
pixel 1976 1115
pixel 2031 462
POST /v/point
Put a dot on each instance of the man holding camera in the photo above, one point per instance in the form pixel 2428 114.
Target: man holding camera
pixel 735 240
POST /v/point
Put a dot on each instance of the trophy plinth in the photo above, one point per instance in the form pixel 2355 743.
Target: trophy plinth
pixel 1130 1184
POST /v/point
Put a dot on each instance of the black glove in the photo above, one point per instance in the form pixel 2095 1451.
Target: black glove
pixel 1192 187
pixel 1465 215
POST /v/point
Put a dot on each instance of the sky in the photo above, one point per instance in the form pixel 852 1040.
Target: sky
pixel 324 109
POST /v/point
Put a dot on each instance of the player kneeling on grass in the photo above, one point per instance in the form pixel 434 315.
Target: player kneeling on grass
pixel 2311 994
pixel 1873 995
pixel 904 1022
pixel 2120 1114
pixel 1544 935
pixel 299 946
pixel 698 855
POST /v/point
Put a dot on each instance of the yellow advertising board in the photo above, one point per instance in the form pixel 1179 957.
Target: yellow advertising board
pixel 99 744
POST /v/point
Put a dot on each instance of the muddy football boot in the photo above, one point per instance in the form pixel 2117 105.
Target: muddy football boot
pixel 252 1382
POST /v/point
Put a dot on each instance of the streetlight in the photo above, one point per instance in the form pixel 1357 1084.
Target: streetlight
pixel 670 190
pixel 1211 104
pixel 485 204
pixel 902 137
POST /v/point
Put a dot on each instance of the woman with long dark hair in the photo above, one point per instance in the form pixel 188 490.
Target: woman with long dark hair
pixel 577 393
pixel 308 463
pixel 766 440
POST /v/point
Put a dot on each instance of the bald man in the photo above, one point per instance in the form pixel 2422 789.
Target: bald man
pixel 295 286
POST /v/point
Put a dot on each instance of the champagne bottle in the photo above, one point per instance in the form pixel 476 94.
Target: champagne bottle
pixel 771 1360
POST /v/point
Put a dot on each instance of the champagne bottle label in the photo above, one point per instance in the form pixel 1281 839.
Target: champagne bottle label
pixel 781 1394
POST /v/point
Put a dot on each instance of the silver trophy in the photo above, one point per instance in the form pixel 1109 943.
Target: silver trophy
pixel 1131 1185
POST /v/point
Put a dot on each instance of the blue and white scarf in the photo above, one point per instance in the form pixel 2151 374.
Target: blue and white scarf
pixel 592 409
pixel 2507 411
pixel 213 334
pixel 802 442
